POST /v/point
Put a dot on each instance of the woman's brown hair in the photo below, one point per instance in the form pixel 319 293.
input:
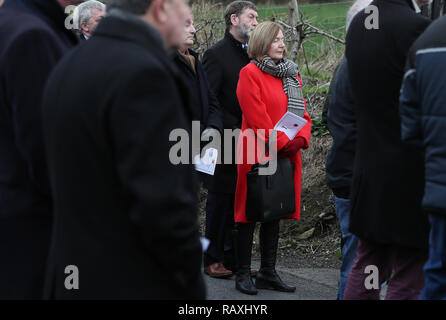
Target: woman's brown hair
pixel 261 39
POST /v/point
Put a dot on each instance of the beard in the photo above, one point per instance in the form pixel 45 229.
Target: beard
pixel 244 31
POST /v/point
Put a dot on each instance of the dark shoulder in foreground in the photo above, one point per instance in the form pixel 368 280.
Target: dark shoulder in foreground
pixel 109 56
pixel 15 23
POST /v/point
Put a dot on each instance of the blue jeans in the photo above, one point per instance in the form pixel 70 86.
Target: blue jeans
pixel 349 242
pixel 435 267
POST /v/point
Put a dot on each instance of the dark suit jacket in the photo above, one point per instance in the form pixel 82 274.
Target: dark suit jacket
pixel 32 40
pixel 223 63
pixel 124 214
pixel 388 176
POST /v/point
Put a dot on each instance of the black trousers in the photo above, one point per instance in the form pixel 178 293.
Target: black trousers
pixel 219 226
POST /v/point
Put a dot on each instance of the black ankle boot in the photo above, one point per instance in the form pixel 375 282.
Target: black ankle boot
pixel 267 278
pixel 243 282
pixel 243 246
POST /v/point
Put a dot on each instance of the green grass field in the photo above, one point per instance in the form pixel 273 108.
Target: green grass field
pixel 328 17
pixel 319 55
pixel 324 12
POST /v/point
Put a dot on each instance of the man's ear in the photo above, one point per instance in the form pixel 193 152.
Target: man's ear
pixel 160 8
pixel 84 27
pixel 234 19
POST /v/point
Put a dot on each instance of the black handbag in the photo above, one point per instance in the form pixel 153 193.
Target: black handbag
pixel 270 197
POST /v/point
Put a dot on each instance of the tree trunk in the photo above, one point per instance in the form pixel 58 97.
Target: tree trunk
pixel 293 13
pixel 293 20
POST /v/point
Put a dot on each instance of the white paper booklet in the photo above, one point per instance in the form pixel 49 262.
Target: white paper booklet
pixel 208 162
pixel 204 243
pixel 290 124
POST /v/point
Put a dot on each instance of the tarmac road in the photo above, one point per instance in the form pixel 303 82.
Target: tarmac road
pixel 311 284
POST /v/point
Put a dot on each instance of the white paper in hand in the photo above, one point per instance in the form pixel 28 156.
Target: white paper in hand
pixel 290 124
pixel 208 162
pixel 204 243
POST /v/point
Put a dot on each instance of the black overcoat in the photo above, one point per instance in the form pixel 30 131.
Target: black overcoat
pixel 125 216
pixel 387 181
pixel 33 38
pixel 223 62
pixel 205 105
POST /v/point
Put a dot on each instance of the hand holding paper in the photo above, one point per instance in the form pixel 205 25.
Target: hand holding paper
pixel 290 124
pixel 208 162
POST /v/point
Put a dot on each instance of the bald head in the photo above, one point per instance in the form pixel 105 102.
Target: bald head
pixel 167 16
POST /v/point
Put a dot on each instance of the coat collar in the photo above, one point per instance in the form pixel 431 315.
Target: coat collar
pixel 229 37
pixel 178 56
pixel 179 59
pixel 128 27
pixel 193 53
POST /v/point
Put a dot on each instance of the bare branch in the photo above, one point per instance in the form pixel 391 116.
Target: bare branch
pixel 323 33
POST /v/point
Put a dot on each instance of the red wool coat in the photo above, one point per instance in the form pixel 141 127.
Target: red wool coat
pixel 263 103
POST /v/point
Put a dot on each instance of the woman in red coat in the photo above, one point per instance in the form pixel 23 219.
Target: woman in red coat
pixel 268 87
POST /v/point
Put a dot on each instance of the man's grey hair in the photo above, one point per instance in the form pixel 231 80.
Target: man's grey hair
pixel 82 13
pixel 354 9
pixel 237 8
pixel 138 7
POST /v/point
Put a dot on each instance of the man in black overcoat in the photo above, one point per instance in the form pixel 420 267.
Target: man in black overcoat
pixel 205 105
pixel 33 38
pixel 387 182
pixel 223 63
pixel 125 217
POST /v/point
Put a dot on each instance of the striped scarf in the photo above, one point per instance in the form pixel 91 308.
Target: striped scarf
pixel 288 71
